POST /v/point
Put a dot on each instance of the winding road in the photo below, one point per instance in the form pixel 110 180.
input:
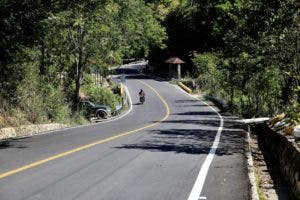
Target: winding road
pixel 173 147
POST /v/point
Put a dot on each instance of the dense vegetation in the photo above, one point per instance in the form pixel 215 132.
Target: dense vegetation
pixel 246 52
pixel 49 48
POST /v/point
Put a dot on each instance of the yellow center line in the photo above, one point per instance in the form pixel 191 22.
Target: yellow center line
pixel 60 155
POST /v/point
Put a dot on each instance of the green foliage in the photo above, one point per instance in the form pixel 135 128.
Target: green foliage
pixel 10 116
pixel 40 102
pixel 29 97
pixel 257 65
pixel 55 104
pixel 210 76
pixel 206 63
pixel 140 29
pixel 293 113
pixel 240 87
pixel 116 89
pixel 100 34
pixel 102 95
pixel 189 82
pixel 79 118
pixel 47 47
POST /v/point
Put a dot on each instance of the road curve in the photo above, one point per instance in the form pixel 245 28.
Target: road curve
pixel 154 152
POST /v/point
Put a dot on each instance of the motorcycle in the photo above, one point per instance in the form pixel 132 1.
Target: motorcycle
pixel 142 100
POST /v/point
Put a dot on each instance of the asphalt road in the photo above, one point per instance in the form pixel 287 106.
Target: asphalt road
pixel 153 153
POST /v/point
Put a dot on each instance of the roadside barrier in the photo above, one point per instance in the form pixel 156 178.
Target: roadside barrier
pixel 285 150
pixel 121 89
pixel 186 88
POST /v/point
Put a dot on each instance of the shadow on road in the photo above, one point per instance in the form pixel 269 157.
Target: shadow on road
pixel 187 101
pixel 197 113
pixel 136 104
pixel 212 122
pixel 13 143
pixel 193 132
pixel 177 140
pixel 194 141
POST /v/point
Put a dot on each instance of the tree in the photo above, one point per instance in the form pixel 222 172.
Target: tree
pixel 140 29
pixel 94 34
pixel 258 47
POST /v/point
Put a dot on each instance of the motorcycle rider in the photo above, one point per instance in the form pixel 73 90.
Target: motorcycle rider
pixel 142 96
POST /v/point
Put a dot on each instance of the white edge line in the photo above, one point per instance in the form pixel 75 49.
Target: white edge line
pixel 199 183
pixel 94 124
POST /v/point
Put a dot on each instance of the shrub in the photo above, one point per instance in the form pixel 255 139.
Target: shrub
pixel 116 89
pixel 293 113
pixel 209 75
pixel 29 97
pixel 102 95
pixel 17 118
pixel 54 104
pixel 5 109
pixel 40 101
pixel 250 89
pixel 79 118
pixel 189 82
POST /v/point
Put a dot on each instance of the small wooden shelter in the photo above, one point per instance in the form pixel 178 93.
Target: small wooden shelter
pixel 175 61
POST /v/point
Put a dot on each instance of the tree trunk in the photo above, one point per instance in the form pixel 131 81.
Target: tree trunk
pixel 76 96
pixel 286 91
pixel 79 75
pixel 79 69
pixel 42 59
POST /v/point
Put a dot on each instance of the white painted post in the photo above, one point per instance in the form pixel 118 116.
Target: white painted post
pixel 178 72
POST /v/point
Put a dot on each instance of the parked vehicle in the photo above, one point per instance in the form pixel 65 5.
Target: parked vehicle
pixel 96 110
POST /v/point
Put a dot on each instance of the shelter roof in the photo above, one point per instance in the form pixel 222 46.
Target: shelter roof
pixel 174 60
